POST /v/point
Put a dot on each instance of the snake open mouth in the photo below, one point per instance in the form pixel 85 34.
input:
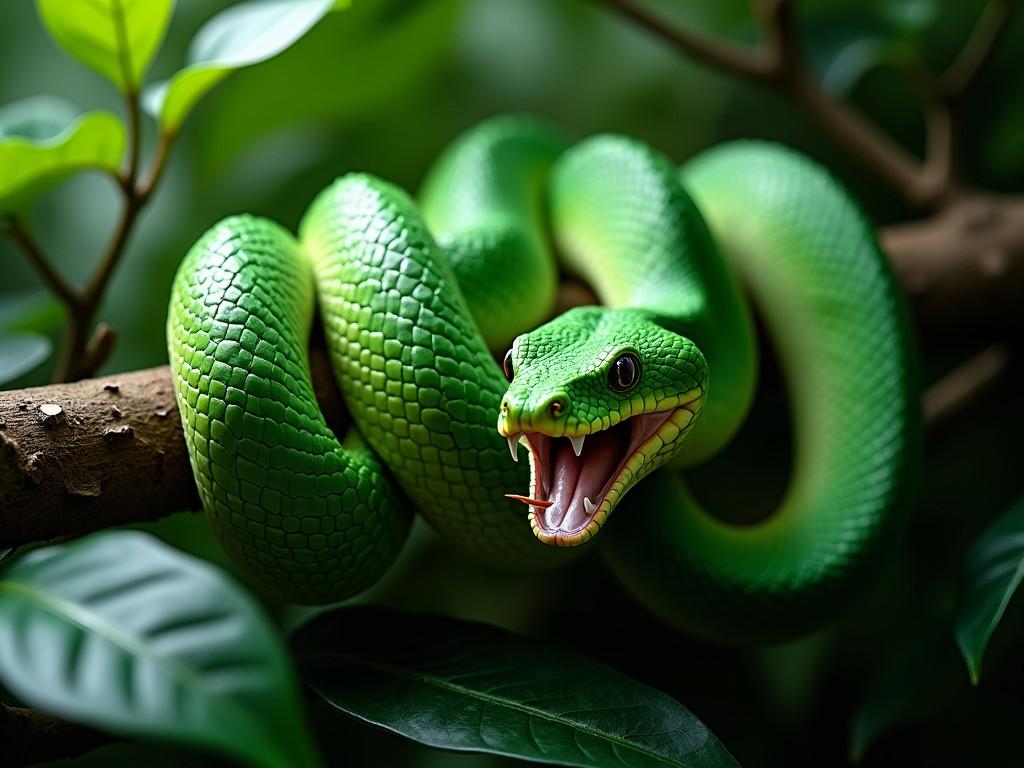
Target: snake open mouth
pixel 575 481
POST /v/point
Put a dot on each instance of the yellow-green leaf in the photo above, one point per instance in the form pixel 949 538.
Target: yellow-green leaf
pixel 117 38
pixel 242 35
pixel 30 166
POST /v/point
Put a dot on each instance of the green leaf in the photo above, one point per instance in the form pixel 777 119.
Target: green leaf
pixel 37 117
pixel 993 570
pixel 116 38
pixel 31 311
pixel 33 165
pixel 909 17
pixel 123 633
pixel 463 686
pixel 20 353
pixel 238 37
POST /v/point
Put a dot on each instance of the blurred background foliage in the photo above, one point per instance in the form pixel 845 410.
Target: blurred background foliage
pixel 383 87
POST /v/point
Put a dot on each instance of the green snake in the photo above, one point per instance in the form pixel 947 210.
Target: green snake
pixel 419 302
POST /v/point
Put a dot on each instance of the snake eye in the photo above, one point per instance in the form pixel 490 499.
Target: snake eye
pixel 624 373
pixel 507 365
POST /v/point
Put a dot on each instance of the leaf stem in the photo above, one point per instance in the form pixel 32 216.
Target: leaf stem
pixel 21 235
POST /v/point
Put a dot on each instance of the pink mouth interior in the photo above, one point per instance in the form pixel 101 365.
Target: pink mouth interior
pixel 565 479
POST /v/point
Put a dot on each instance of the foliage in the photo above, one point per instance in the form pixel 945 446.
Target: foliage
pixel 993 570
pixel 122 632
pixel 468 686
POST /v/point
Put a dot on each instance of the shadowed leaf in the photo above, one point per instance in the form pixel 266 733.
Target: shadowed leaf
pixel 20 353
pixel 993 570
pixel 463 686
pixel 120 632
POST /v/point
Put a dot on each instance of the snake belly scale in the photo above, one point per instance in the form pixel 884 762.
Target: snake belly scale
pixel 419 299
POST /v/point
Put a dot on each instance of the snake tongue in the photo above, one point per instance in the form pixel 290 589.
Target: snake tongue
pixel 575 480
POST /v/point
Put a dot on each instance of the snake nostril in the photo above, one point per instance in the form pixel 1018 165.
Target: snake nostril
pixel 504 407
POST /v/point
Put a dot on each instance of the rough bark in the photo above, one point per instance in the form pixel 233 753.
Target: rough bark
pixel 75 458
pixel 964 266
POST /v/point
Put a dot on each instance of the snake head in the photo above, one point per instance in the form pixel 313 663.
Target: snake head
pixel 601 398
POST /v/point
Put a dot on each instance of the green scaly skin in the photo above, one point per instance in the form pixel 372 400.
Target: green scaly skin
pixel 315 521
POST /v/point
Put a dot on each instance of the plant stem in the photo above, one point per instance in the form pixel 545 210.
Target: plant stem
pixel 21 235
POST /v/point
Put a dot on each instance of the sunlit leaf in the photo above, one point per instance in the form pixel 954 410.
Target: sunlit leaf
pixel 20 353
pixel 471 687
pixel 993 570
pixel 116 38
pixel 406 41
pixel 123 633
pixel 31 166
pixel 240 36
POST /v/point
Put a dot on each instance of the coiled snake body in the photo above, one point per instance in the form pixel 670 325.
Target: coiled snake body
pixel 415 301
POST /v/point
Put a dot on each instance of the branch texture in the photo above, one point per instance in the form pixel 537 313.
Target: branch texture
pixel 76 458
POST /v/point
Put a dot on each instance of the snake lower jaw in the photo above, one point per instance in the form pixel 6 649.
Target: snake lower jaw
pixel 575 484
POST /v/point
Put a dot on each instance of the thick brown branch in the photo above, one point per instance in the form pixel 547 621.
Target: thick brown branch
pixel 79 457
pixel 29 736
pixel 963 268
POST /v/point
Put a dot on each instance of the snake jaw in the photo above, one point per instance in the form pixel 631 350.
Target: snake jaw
pixel 575 484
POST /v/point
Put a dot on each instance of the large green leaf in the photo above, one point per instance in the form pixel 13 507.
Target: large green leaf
pixel 238 37
pixel 20 353
pixel 463 686
pixel 123 633
pixel 993 570
pixel 117 38
pixel 32 165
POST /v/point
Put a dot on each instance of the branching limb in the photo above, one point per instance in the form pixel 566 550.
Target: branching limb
pixel 777 62
pixel 82 354
pixel 19 233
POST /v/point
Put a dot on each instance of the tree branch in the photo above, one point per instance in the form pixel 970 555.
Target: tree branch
pixel 777 62
pixel 81 355
pixel 963 384
pixel 17 231
pixel 104 452
pixel 978 49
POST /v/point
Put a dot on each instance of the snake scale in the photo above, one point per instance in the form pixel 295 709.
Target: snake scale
pixel 419 301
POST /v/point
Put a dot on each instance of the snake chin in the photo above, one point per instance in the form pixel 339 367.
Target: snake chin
pixel 575 481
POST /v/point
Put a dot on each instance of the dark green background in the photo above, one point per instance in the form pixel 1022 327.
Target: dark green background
pixel 382 88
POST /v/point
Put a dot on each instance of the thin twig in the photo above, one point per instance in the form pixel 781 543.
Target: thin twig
pixel 978 49
pixel 20 234
pixel 964 383
pixel 133 113
pixel 734 58
pixel 924 184
pixel 163 150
